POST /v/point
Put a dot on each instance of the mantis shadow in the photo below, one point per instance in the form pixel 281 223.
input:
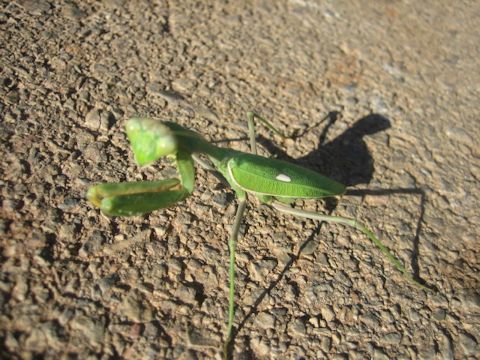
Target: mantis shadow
pixel 347 160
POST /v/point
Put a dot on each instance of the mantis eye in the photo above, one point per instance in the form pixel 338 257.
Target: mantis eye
pixel 150 139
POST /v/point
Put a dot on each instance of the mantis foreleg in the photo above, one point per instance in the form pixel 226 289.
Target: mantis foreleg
pixel 139 197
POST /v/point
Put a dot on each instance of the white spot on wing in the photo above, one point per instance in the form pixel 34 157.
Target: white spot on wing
pixel 283 177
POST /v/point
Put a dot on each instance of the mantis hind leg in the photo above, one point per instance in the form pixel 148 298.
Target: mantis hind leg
pixel 355 224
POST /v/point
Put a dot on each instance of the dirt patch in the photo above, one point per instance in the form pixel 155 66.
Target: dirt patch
pixel 400 81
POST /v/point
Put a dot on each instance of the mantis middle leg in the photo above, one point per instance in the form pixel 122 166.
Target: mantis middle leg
pixel 242 202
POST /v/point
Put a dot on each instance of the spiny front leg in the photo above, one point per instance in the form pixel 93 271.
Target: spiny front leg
pixel 141 197
pixel 136 198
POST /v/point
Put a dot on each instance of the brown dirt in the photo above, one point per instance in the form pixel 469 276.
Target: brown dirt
pixel 400 80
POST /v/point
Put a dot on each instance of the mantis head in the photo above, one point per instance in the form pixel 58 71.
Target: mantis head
pixel 150 139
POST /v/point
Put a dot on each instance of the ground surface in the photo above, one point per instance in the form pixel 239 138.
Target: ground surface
pixel 400 80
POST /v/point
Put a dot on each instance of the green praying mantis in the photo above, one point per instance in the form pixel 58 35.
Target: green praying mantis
pixel 273 182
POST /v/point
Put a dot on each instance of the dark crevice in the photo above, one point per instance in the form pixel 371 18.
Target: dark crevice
pixel 48 252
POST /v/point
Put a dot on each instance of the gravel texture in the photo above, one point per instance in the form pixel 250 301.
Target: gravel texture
pixel 400 82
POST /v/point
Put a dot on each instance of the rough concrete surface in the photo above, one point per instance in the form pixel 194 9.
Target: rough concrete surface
pixel 400 81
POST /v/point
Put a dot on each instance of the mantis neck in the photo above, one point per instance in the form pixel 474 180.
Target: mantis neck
pixel 194 143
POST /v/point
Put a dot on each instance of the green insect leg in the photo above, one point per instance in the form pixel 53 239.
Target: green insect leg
pixel 98 192
pixel 232 242
pixel 355 224
pixel 138 204
pixel 251 116
pixel 134 198
pixel 186 170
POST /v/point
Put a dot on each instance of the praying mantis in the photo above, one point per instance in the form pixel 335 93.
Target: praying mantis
pixel 273 182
